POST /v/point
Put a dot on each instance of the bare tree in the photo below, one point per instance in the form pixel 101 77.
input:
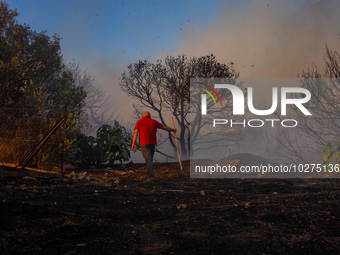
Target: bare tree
pixel 314 132
pixel 97 105
pixel 165 89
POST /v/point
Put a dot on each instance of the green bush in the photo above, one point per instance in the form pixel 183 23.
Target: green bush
pixel 109 146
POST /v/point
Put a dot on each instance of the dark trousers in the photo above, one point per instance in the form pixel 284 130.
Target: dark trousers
pixel 148 152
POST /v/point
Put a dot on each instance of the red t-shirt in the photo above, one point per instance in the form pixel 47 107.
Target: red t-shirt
pixel 147 128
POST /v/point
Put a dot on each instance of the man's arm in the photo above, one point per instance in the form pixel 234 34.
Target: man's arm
pixel 134 139
pixel 166 128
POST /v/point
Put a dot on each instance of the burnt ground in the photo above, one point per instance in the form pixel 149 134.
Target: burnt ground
pixel 115 212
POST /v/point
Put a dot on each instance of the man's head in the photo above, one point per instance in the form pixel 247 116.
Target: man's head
pixel 146 114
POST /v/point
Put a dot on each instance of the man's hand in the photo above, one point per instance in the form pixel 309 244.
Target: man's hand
pixel 134 147
pixel 134 139
pixel 169 129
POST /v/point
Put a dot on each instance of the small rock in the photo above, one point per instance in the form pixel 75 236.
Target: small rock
pixel 82 176
pixel 29 178
pixel 202 193
pixel 182 206
pixel 71 175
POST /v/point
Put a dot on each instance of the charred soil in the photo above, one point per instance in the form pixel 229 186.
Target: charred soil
pixel 115 212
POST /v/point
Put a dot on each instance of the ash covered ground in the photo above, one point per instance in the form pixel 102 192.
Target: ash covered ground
pixel 113 211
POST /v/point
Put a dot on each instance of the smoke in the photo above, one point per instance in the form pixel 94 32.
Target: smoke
pixel 267 38
pixel 263 38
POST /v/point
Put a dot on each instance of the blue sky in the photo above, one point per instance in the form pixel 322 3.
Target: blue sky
pixel 124 31
pixel 121 32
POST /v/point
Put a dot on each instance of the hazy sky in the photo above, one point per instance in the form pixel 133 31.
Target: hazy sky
pixel 264 38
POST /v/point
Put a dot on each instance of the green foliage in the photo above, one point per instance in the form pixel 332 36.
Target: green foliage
pixel 32 73
pixel 331 151
pixel 107 147
pixel 33 76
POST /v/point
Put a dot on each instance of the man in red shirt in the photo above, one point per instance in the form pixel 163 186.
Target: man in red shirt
pixel 147 129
